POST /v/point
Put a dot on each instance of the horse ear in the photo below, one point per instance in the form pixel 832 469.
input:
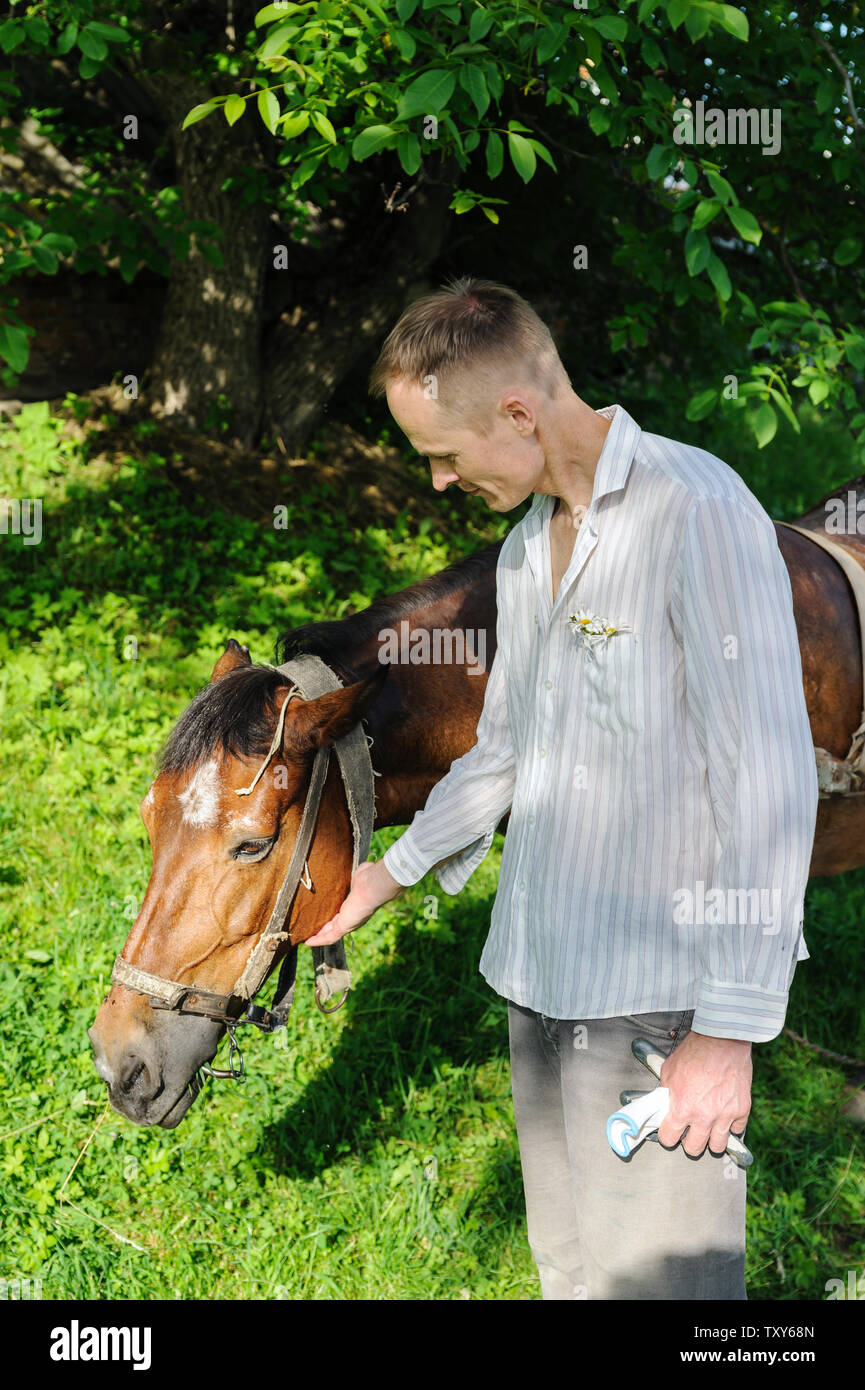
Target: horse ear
pixel 328 717
pixel 234 655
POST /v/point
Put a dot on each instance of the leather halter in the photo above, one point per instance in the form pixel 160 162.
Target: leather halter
pixel 310 677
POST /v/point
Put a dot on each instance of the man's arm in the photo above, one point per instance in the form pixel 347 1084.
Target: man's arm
pixel 732 607
pixel 463 809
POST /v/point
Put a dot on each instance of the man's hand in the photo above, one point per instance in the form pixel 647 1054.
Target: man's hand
pixel 371 887
pixel 709 1080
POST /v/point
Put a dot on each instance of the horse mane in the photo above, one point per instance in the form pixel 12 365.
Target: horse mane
pixel 236 714
pixel 334 640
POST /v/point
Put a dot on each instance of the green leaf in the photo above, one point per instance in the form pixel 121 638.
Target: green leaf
pixel 495 155
pixel 373 139
pixel 14 346
pixel 764 424
pixel 699 406
pixel 785 408
pixel 91 45
pixel 676 11
pixel 825 95
pixel 697 22
pixel 234 108
pixel 734 22
pixel 646 8
pixel 746 224
pixel 819 390
pixel 405 43
pixel 552 40
pixel 543 153
pixel 323 126
pixel 720 187
pixel 268 109
pixel 11 35
pixel 295 123
pixel 472 80
pixel 522 155
pixel 480 25
pixel 491 214
pixel 697 252
pixel 198 113
pixel 759 338
pixel 706 210
pixel 38 956
pixel 600 118
pixel 406 8
pixel 111 33
pixel 658 162
pixel 848 251
pixel 408 150
pixel 44 259
pixel 60 243
pixel 427 94
pixel 610 26
pixel 717 273
pixel 67 38
pixel 272 12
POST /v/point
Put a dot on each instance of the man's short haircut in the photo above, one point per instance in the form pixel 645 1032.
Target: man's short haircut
pixel 467 326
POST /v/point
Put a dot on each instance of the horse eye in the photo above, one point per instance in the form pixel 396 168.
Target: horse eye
pixel 252 850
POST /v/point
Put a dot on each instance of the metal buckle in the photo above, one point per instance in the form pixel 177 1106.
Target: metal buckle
pixel 231 1073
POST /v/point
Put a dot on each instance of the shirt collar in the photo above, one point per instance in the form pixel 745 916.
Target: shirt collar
pixel 614 463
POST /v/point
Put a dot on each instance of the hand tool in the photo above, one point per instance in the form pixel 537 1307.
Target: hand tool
pixel 643 1111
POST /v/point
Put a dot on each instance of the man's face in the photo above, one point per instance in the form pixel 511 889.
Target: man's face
pixel 501 466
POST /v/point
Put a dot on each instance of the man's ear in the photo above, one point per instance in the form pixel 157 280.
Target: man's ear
pixel 327 718
pixel 234 655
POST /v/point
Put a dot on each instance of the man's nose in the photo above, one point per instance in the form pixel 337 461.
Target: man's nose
pixel 442 479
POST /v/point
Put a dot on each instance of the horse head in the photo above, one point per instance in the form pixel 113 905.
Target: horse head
pixel 222 826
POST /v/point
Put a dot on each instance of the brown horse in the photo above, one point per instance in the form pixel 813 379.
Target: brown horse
pixel 218 863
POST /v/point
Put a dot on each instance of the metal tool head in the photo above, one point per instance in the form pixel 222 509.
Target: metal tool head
pixel 651 1057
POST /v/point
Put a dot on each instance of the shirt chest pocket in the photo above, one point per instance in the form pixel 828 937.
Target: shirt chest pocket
pixel 613 683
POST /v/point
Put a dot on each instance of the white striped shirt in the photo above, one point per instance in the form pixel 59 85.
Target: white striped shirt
pixel 678 760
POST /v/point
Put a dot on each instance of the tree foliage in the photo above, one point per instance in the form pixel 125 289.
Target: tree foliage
pixel 761 249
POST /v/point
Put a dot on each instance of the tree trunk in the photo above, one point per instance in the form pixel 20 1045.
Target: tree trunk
pixel 209 343
pixel 314 345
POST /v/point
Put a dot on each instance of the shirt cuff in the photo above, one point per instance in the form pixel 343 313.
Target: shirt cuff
pixel 455 872
pixel 738 1011
pixel 403 863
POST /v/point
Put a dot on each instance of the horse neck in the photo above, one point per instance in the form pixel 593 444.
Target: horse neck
pixel 427 714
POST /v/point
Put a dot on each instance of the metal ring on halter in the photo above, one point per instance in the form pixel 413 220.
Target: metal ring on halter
pixel 229 1073
pixel 322 1009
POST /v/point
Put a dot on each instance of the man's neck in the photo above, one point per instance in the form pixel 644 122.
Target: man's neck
pixel 572 439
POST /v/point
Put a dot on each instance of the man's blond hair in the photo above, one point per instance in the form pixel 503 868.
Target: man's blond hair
pixel 468 326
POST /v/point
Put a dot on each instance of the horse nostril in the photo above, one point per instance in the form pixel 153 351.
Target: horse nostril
pixel 137 1076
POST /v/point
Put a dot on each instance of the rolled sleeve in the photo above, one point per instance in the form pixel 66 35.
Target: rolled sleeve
pixel 743 678
pixel 455 829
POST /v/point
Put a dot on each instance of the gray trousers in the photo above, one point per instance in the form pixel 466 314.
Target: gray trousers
pixel 659 1225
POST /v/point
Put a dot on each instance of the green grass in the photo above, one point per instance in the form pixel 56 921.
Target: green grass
pixel 371 1155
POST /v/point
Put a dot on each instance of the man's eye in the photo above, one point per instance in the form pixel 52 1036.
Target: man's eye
pixel 252 850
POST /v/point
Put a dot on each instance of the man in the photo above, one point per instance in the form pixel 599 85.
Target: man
pixel 644 723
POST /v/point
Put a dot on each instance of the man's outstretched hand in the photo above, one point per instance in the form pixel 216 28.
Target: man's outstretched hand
pixel 371 887
pixel 710 1092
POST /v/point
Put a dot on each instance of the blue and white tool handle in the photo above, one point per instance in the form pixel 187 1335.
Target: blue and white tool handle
pixel 632 1124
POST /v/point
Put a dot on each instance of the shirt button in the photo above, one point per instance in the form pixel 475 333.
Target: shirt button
pixel 543 752
pixel 522 885
pixel 548 684
pixel 530 819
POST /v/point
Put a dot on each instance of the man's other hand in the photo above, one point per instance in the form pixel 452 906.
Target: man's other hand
pixel 709 1080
